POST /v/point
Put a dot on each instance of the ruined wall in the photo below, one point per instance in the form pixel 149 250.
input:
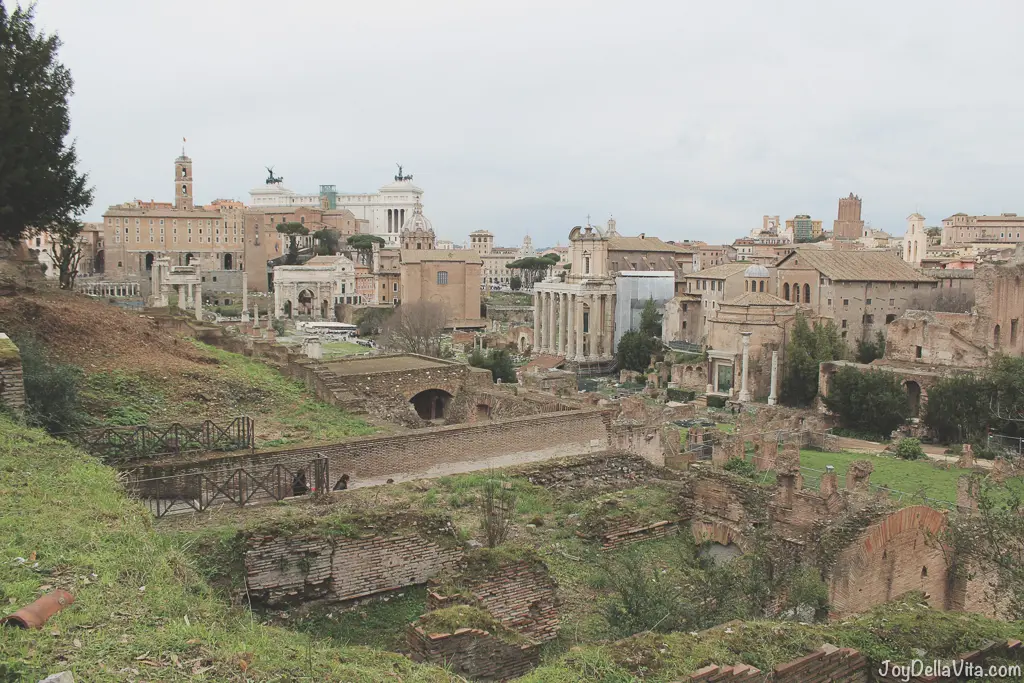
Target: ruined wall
pixel 284 569
pixel 472 653
pixel 12 386
pixel 520 595
pixel 690 376
pixel 458 448
pixel 933 338
pixel 828 663
pixel 999 301
pixel 888 559
pixel 628 534
pixel 652 443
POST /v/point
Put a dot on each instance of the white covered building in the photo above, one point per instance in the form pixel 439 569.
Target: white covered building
pixel 386 210
pixel 313 289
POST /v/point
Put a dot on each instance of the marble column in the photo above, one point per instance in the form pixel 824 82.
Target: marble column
pixel 570 327
pixel 199 302
pixel 563 314
pixel 772 398
pixel 538 322
pixel 552 325
pixel 609 330
pixel 578 312
pixel 744 393
pixel 595 328
pixel 245 297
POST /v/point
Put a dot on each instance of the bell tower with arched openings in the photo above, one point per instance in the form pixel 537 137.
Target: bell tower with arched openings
pixel 183 183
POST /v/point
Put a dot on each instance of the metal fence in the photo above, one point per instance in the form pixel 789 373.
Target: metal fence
pixel 120 444
pixel 812 480
pixel 238 486
pixel 1013 445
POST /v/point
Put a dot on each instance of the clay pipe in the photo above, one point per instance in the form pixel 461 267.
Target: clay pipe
pixel 40 611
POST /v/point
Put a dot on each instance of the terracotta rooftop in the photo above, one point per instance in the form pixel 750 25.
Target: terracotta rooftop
pixel 645 244
pixel 758 299
pixel 857 266
pixel 722 271
pixel 454 256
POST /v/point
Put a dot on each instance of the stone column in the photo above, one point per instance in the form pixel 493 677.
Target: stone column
pixel 570 326
pixel 772 399
pixel 552 325
pixel 744 393
pixel 563 323
pixel 245 297
pixel 596 329
pixel 538 320
pixel 199 302
pixel 578 312
pixel 609 333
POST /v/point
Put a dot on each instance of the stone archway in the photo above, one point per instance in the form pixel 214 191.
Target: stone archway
pixel 324 307
pixel 149 261
pixel 888 559
pixel 431 404
pixel 287 309
pixel 724 543
pixel 228 261
pixel 305 302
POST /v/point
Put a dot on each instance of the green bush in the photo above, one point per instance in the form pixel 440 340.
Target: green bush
pixel 51 390
pixel 740 466
pixel 635 351
pixel 808 348
pixel 872 401
pixel 716 401
pixel 680 395
pixel 909 449
pixel 498 361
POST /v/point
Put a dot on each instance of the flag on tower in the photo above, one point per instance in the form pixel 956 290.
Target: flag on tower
pixel 183 140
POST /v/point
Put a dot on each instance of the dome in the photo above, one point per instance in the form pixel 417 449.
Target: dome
pixel 756 270
pixel 417 221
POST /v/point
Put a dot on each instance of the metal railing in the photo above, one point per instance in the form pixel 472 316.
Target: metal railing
pixel 1013 445
pixel 238 486
pixel 120 444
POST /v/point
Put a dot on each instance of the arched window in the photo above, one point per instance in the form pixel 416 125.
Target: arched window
pixel 184 190
pixel 785 291
pixel 746 285
pixel 807 293
pixel 302 219
pixel 762 285
pixel 184 172
pixel 995 337
pixel 442 277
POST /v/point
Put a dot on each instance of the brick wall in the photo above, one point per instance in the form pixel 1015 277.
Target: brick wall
pixel 520 595
pixel 826 664
pixel 472 653
pixel 889 559
pixel 629 534
pixel 373 459
pixel 12 386
pixel 310 566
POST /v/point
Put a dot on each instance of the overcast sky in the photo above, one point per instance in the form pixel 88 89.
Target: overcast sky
pixel 686 120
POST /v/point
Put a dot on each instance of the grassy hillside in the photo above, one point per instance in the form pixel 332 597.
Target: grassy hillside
pixel 142 610
pixel 136 373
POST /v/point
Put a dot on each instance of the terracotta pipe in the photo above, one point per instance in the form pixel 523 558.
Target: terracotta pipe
pixel 40 611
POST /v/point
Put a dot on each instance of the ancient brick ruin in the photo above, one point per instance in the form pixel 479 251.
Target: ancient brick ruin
pixel 12 386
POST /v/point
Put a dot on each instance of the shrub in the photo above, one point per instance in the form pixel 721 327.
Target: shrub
pixel 871 401
pixel 680 395
pixel 716 401
pixel 278 325
pixel 644 597
pixel 909 449
pixel 498 361
pixel 498 510
pixel 958 408
pixel 808 348
pixel 51 390
pixel 635 351
pixel 740 466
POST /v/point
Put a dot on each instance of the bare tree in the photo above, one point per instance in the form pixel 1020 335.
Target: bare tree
pixel 417 328
pixel 498 508
pixel 66 250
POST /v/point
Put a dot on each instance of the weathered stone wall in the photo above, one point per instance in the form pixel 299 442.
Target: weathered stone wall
pixel 283 569
pixel 472 653
pixel 690 376
pixel 652 443
pixel 888 559
pixel 520 595
pixel 12 386
pixel 934 338
pixel 457 448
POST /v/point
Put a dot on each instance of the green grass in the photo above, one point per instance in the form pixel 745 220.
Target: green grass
pixel 342 348
pixel 283 408
pixel 892 631
pixel 142 603
pixel 379 624
pixel 909 476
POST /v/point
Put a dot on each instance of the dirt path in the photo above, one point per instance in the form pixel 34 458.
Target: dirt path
pixel 933 452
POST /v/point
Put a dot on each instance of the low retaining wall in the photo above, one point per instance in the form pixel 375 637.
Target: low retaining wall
pixel 291 569
pixel 439 450
pixel 827 664
pixel 472 653
pixel 634 534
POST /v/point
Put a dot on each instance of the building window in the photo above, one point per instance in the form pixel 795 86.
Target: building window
pixel 1013 330
pixel 807 293
pixel 830 302
pixel 395 287
pixel 442 277
pixel 785 291
pixel 892 302
pixel 868 302
pixel 918 351
pixel 844 325
pixel 846 303
pixel 869 319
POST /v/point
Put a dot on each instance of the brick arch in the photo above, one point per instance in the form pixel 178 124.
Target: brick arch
pixel 720 533
pixel 888 559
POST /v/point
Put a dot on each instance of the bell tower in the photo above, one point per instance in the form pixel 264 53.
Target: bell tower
pixel 183 198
